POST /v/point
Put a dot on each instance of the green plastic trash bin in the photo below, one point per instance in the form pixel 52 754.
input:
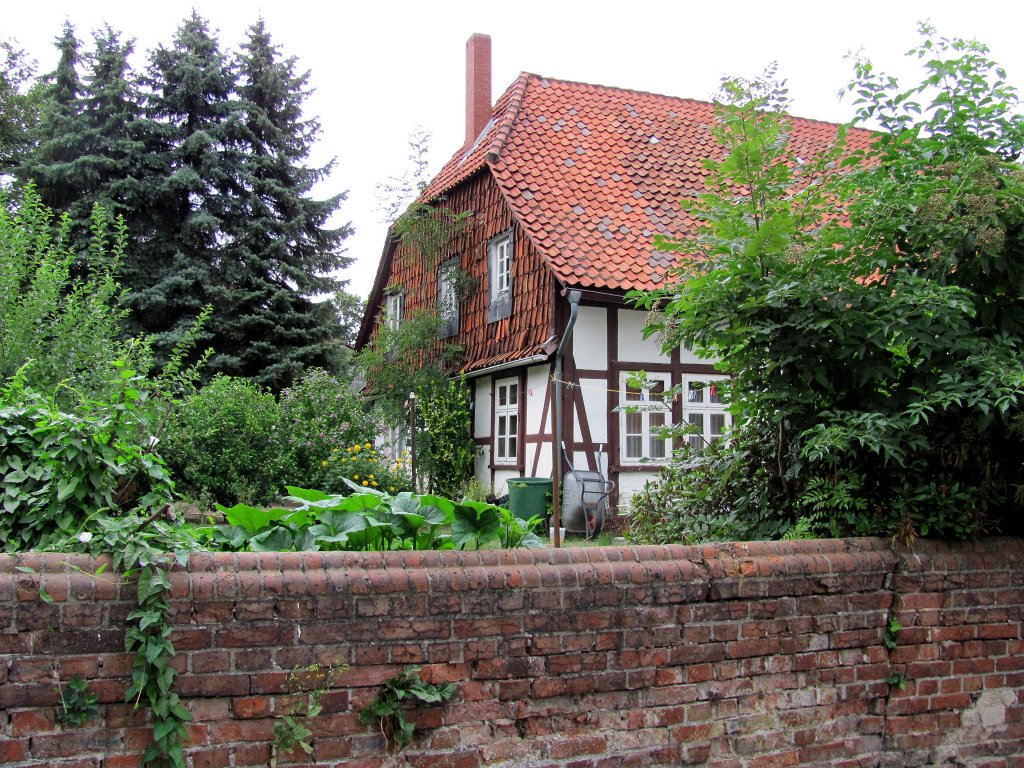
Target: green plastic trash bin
pixel 529 496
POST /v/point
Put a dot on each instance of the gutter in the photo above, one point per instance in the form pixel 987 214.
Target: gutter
pixel 533 360
pixel 556 504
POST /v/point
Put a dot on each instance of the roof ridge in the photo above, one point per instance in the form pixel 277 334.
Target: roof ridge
pixel 703 102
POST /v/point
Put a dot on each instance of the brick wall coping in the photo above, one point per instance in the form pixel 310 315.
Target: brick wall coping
pixel 726 570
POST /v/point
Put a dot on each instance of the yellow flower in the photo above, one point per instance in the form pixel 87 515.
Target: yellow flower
pixel 323 463
pixel 366 483
pixel 370 476
pixel 335 450
pixel 369 445
pixel 373 483
pixel 355 477
pixel 357 448
pixel 391 488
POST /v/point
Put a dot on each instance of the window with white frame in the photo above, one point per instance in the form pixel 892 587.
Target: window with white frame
pixel 644 412
pixel 506 421
pixel 393 309
pixel 499 270
pixel 448 298
pixel 704 410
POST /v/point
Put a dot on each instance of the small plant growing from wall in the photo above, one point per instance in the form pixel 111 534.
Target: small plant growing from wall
pixel 388 711
pixel 77 704
pixel 292 730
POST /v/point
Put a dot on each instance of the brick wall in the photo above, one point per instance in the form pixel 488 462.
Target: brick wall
pixel 767 654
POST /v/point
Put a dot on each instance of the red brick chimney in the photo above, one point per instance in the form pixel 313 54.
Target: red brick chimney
pixel 478 86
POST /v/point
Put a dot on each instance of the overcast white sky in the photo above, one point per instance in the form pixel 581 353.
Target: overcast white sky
pixel 382 68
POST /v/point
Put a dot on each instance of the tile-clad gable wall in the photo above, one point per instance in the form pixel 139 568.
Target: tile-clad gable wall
pixel 531 321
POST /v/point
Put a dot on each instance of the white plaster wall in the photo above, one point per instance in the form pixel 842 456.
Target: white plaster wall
pixel 686 357
pixel 633 347
pixel 590 339
pixel 481 427
pixel 630 483
pixel 537 387
pixel 595 401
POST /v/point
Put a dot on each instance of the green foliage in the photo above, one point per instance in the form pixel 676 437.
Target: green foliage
pixel 77 704
pixel 364 466
pixel 292 730
pixel 447 453
pixel 899 679
pixel 59 468
pixel 319 415
pixel 877 366
pixel 892 631
pixel 368 520
pixel 62 314
pixel 205 156
pixel 19 104
pixel 403 360
pixel 221 441
pixel 141 543
pixel 388 710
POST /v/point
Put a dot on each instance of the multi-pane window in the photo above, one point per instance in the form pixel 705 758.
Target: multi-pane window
pixel 644 414
pixel 502 266
pixel 499 268
pixel 448 298
pixel 704 410
pixel 506 421
pixel 393 310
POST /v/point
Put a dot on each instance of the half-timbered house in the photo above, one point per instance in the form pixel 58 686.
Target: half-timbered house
pixel 567 184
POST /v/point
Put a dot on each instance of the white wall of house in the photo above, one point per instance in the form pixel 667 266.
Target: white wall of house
pixel 599 365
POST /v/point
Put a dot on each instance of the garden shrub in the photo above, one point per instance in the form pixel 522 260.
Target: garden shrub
pixel 319 417
pixel 221 442
pixel 447 455
pixel 365 466
pixel 876 356
pixel 59 469
pixel 61 311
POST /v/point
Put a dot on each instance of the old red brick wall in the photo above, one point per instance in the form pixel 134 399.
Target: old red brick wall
pixel 767 654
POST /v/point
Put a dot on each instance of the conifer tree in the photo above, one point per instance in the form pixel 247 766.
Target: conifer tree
pixel 188 178
pixel 52 164
pixel 281 243
pixel 205 157
pixel 87 146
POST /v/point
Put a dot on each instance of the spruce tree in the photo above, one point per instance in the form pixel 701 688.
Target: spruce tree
pixel 53 163
pixel 87 146
pixel 281 244
pixel 187 180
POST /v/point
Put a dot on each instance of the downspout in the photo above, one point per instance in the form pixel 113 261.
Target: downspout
pixel 556 490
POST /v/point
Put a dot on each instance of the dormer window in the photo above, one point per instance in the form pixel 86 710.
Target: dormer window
pixel 448 298
pixel 499 270
pixel 393 303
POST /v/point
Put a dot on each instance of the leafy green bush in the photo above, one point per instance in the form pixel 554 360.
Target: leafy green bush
pixel 447 455
pixel 60 312
pixel 221 442
pixel 319 416
pixel 60 468
pixel 878 368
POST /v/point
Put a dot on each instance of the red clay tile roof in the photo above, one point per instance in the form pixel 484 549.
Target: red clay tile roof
pixel 592 173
